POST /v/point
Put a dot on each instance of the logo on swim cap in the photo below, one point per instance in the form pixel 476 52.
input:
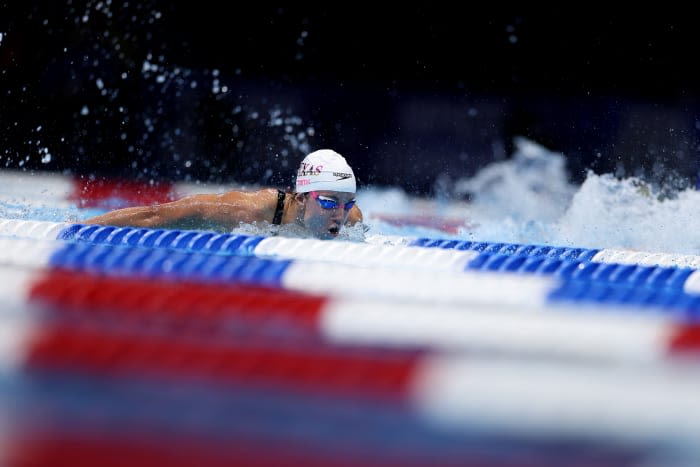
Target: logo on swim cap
pixel 325 169
pixel 308 169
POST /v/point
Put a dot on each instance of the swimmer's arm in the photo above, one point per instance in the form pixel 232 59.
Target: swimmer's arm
pixel 204 211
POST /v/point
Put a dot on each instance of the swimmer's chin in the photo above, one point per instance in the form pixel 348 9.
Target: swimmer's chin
pixel 329 234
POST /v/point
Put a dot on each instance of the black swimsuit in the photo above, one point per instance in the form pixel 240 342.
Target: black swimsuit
pixel 279 210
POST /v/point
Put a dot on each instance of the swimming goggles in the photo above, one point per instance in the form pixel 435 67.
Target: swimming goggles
pixel 330 203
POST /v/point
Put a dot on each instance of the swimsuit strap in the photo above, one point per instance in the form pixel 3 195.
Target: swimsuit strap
pixel 279 210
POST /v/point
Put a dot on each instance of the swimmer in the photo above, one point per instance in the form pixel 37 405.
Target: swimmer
pixel 322 203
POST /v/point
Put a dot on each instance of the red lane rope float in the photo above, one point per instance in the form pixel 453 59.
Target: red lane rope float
pixel 110 194
pixel 107 450
pixel 92 296
pixel 685 340
pixel 233 310
pixel 446 224
pixel 384 373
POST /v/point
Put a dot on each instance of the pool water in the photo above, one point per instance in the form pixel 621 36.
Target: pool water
pixel 537 324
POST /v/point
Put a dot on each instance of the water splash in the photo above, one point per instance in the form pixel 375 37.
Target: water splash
pixel 130 109
pixel 612 213
pixel 528 199
pixel 532 185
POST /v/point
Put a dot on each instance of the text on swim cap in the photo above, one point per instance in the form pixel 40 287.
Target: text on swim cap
pixel 309 169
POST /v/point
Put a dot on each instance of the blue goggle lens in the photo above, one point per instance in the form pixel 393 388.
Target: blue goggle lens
pixel 330 203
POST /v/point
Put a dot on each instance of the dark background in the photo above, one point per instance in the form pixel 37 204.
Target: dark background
pixel 239 92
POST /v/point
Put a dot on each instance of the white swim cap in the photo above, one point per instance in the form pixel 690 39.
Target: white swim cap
pixel 325 170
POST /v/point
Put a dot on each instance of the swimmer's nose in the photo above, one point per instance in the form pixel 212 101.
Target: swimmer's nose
pixel 338 213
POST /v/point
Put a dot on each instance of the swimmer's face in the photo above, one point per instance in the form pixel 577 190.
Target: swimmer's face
pixel 325 212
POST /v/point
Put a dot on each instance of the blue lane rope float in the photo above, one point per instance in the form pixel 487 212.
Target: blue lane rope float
pixel 514 249
pixel 158 262
pixel 162 238
pixel 177 257
pixel 650 276
pixel 243 244
pixel 475 287
pixel 564 263
pixel 425 255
